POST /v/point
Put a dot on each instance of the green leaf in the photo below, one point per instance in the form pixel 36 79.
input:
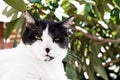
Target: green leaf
pixel 70 68
pixel 117 2
pixel 11 12
pixel 115 15
pixel 17 4
pixel 89 10
pixel 95 61
pixel 97 65
pixel 65 5
pixel 34 1
pixel 90 72
pixel 71 72
pixel 10 27
pixel 94 48
pixel 19 25
pixel 36 14
pixel 53 4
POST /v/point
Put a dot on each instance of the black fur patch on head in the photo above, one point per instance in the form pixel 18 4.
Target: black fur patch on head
pixel 35 28
pixel 59 34
pixel 55 30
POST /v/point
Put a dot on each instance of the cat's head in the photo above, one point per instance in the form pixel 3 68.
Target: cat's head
pixel 48 39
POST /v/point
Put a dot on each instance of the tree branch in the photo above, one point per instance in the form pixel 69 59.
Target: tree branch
pixel 112 62
pixel 100 39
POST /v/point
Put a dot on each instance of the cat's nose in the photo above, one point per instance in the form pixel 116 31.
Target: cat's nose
pixel 47 50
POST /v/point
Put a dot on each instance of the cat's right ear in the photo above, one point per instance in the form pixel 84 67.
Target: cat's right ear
pixel 67 22
pixel 29 19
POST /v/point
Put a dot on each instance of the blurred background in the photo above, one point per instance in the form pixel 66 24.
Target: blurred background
pixel 94 50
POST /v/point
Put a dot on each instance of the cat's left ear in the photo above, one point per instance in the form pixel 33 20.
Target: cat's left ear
pixel 29 19
pixel 67 22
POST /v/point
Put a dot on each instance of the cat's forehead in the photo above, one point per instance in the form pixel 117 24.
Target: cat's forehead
pixel 53 27
pixel 45 34
pixel 45 23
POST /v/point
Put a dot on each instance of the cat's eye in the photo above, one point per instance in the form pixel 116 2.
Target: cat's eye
pixel 57 39
pixel 38 38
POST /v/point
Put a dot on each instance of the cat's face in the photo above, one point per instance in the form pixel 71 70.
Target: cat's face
pixel 48 39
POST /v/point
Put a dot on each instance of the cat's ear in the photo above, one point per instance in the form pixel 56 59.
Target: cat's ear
pixel 67 22
pixel 29 19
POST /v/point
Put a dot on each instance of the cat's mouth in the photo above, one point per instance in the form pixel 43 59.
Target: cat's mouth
pixel 48 58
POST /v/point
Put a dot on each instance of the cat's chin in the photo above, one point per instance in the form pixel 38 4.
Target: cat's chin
pixel 48 58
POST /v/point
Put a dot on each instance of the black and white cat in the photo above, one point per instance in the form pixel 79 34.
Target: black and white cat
pixel 39 56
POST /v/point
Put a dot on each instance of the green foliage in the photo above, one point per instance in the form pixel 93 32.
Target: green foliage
pixel 17 4
pixel 94 44
pixel 11 12
pixel 117 3
pixel 115 15
pixel 9 27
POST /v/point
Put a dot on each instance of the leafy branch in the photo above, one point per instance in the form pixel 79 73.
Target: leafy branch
pixel 94 37
pixel 112 62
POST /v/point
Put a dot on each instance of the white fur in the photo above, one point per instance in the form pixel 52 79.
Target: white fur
pixel 27 62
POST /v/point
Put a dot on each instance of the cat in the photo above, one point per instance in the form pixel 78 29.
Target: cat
pixel 40 53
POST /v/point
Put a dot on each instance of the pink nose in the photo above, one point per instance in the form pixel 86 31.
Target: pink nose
pixel 47 50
